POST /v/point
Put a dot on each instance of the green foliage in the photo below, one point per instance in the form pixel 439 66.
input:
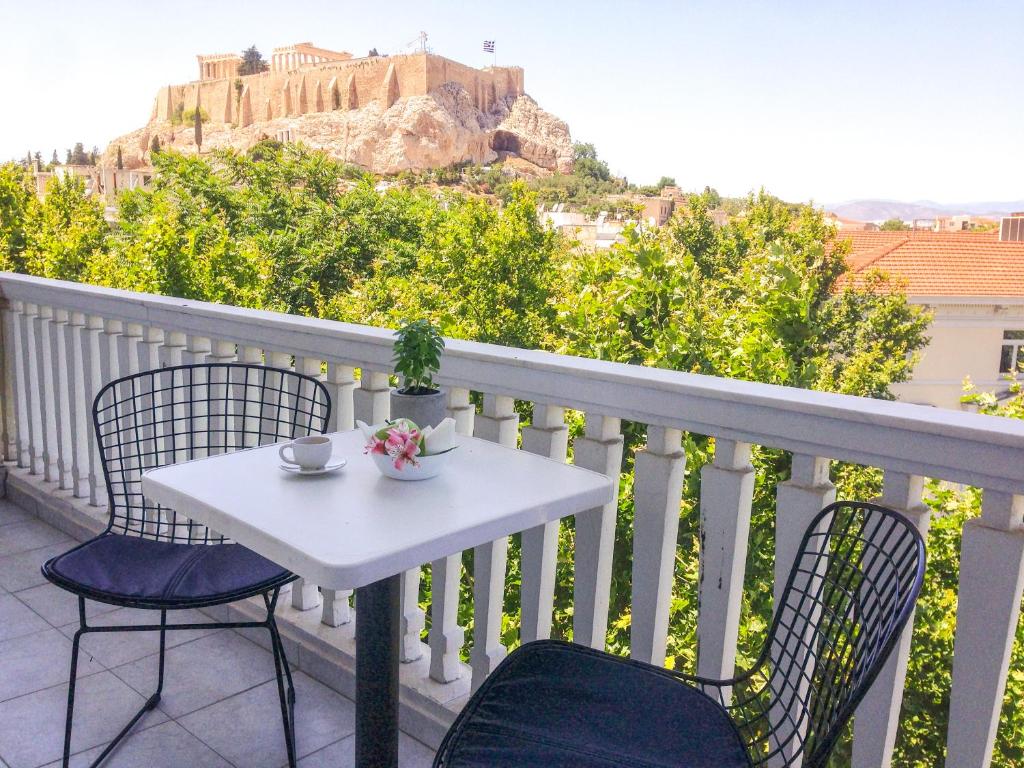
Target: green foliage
pixel 418 347
pixel 586 164
pixel 78 156
pixel 894 225
pixel 16 199
pixel 189 115
pixel 66 230
pixel 252 62
pixel 154 145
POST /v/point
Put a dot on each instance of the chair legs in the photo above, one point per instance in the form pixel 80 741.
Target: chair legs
pixel 283 673
pixel 281 668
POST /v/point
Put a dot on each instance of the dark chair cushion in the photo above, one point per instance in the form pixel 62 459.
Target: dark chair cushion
pixel 561 705
pixel 134 571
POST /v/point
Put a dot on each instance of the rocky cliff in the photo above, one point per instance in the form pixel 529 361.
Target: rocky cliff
pixel 438 129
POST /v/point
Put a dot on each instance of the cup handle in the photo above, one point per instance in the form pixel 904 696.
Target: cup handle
pixel 285 459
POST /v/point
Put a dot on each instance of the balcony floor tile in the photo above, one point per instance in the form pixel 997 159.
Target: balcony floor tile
pixel 114 649
pixel 40 660
pixel 247 729
pixel 32 726
pixel 21 571
pixel 29 535
pixel 58 606
pixel 202 672
pixel 341 754
pixel 167 745
pixel 17 619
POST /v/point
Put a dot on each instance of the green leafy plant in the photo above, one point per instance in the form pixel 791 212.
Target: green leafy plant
pixel 418 346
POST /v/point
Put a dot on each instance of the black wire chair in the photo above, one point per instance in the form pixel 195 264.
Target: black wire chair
pixel 151 557
pixel 851 591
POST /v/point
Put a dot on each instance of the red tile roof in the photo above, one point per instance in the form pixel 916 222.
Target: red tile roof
pixel 941 263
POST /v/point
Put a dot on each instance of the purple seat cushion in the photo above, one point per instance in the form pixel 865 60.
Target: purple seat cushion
pixel 133 570
pixel 561 705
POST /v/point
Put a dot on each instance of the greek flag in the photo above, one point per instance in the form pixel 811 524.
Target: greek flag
pixel 489 46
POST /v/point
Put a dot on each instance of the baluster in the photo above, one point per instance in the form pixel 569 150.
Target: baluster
pixel 23 400
pixel 148 349
pixel 657 492
pixel 90 349
pixel 341 383
pixel 247 422
pixel 372 398
pixel 498 423
pixel 462 410
pixel 128 349
pixel 305 594
pixel 546 436
pixel 877 718
pixel 197 350
pixel 413 617
pixel 172 352
pixel 798 501
pixel 221 421
pixel 726 493
pixel 988 608
pixel 63 383
pixel 46 391
pixel 78 408
pixel 31 374
pixel 446 636
pixel 600 450
pixel 10 393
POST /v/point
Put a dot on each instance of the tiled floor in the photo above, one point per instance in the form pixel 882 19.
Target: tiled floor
pixel 219 706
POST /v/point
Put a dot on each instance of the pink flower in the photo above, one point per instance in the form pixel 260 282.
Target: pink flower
pixel 376 445
pixel 402 446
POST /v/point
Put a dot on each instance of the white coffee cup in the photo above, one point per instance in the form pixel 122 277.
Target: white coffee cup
pixel 311 452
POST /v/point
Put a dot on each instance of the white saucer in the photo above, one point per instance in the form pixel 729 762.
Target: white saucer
pixel 330 467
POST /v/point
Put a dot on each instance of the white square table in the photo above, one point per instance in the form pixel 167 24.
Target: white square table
pixel 355 529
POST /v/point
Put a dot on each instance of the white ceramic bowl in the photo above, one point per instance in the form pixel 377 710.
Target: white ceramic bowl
pixel 429 466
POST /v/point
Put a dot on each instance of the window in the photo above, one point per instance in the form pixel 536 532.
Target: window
pixel 1011 357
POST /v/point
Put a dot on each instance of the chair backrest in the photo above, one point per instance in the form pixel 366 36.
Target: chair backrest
pixel 180 413
pixel 852 589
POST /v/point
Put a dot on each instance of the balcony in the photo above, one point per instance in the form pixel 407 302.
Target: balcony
pixel 63 341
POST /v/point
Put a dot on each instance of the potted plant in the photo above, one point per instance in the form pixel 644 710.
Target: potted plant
pixel 418 346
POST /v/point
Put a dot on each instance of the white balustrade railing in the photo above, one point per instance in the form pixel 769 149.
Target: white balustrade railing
pixel 63 341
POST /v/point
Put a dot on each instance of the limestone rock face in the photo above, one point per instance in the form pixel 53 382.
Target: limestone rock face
pixel 435 130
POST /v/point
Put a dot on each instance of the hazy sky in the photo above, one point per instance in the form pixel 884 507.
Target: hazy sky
pixel 813 100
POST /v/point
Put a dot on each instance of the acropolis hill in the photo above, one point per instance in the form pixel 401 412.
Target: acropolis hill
pixel 384 113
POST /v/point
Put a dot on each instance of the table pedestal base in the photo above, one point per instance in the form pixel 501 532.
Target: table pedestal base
pixel 377 660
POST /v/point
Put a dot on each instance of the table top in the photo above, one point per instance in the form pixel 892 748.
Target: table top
pixel 352 527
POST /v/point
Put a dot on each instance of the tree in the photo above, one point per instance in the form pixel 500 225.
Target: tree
pixel 38 156
pixel 666 181
pixel 372 53
pixel 154 145
pixel 65 231
pixel 894 225
pixel 78 155
pixel 197 124
pixel 120 159
pixel 252 62
pixel 54 160
pixel 17 197
pixel 714 199
pixel 586 163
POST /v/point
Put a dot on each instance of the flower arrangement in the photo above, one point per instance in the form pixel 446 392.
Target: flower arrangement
pixel 400 443
pixel 400 449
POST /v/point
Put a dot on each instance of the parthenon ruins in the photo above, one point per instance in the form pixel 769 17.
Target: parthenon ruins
pixel 304 78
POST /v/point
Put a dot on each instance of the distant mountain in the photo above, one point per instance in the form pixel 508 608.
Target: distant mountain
pixel 880 210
